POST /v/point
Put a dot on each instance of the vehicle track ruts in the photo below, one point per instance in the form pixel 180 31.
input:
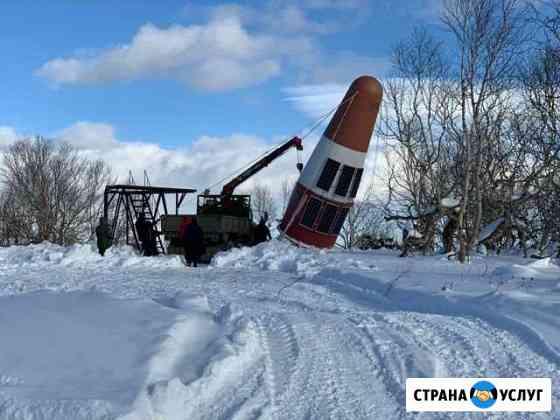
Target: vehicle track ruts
pixel 329 371
pixel 281 352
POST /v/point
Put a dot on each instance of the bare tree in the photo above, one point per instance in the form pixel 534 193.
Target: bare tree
pixel 286 191
pixel 490 37
pixel 53 189
pixel 365 218
pixel 262 201
pixel 418 109
pixel 451 113
pixel 541 94
pixel 16 225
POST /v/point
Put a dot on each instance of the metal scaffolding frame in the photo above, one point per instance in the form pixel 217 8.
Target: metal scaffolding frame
pixel 136 199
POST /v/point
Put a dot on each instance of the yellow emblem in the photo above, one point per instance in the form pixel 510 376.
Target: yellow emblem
pixel 483 396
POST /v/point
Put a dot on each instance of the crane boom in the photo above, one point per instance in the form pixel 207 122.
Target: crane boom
pixel 261 164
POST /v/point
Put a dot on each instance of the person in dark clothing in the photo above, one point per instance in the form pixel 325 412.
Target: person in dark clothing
pixel 141 232
pixel 141 227
pixel 146 235
pixel 193 241
pixel 104 237
pixel 262 232
pixel 405 243
pixel 185 222
pixel 150 247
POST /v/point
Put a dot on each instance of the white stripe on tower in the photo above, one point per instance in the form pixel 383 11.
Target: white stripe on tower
pixel 328 149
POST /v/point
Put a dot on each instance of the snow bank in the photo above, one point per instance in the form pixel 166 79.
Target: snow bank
pixel 337 344
pixel 47 253
pixel 277 255
pixel 88 355
pixel 274 256
pixel 544 269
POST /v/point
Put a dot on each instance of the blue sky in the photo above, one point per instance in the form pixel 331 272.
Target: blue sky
pixel 174 74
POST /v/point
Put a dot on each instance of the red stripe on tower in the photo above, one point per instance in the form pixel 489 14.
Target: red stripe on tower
pixel 325 190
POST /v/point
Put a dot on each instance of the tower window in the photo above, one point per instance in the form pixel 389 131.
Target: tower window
pixel 327 218
pixel 345 180
pixel 341 217
pixel 356 183
pixel 328 175
pixel 311 212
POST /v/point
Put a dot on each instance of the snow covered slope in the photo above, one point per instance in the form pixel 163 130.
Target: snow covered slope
pixel 272 332
pixel 85 354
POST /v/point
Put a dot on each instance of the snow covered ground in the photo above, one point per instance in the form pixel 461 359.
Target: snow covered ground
pixel 272 332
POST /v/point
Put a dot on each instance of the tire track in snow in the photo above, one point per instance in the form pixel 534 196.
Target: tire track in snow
pixel 456 354
pixel 471 347
pixel 455 340
pixel 326 374
pixel 353 364
pixel 385 354
pixel 315 354
pixel 409 344
pixel 328 370
pixel 281 352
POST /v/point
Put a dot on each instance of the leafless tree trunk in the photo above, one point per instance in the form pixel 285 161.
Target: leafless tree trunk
pixel 490 38
pixel 262 201
pixel 418 109
pixel 52 191
pixel 365 218
pixel 286 191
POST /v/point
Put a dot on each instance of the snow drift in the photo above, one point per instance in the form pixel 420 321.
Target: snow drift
pixel 272 331
pixel 282 256
pixel 88 355
pixel 46 253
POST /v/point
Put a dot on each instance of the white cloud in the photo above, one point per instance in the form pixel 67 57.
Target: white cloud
pixel 236 46
pixel 89 136
pixel 199 165
pixel 8 135
pixel 315 100
pixel 211 159
pixel 217 56
pixel 343 67
pixel 290 16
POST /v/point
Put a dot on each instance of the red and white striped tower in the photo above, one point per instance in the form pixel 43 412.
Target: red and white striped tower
pixel 328 184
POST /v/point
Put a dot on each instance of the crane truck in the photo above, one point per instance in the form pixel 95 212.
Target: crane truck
pixel 226 219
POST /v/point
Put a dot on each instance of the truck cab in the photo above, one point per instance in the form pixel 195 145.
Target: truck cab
pixel 226 222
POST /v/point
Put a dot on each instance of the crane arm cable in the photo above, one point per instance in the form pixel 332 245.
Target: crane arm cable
pixel 309 132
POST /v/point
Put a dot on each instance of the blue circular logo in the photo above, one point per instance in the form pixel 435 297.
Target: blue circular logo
pixel 483 394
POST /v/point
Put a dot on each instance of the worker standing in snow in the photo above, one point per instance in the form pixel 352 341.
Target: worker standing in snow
pixel 182 234
pixel 405 241
pixel 262 232
pixel 150 240
pixel 142 232
pixel 193 241
pixel 185 222
pixel 104 237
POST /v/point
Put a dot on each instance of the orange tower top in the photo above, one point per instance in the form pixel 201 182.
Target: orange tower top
pixel 353 122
